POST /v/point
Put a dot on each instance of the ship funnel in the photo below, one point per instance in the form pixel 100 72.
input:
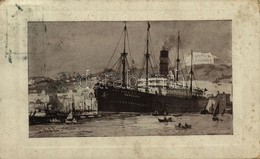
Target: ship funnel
pixel 164 62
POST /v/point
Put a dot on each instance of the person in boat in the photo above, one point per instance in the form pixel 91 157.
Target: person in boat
pixel 187 125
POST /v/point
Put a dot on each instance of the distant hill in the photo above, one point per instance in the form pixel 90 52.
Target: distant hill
pixel 205 72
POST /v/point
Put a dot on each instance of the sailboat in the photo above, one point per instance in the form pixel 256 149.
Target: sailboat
pixel 70 119
pixel 148 96
pixel 216 105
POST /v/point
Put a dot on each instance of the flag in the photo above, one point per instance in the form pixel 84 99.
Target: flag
pixel 148 26
pixel 45 28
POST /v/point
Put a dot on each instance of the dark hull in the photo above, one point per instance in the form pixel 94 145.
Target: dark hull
pixel 124 100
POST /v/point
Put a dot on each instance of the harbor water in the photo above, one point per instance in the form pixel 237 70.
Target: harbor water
pixel 121 124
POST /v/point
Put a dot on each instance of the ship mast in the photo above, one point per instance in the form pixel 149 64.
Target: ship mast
pixel 147 55
pixel 123 57
pixel 191 71
pixel 178 59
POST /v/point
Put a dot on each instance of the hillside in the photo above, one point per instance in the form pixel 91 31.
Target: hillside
pixel 205 72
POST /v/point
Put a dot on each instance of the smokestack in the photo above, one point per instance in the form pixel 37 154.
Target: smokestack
pixel 164 62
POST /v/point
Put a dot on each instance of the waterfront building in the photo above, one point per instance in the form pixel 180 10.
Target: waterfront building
pixel 201 58
pixel 82 99
pixel 37 101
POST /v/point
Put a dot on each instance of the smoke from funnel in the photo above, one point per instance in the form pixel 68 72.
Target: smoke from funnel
pixel 169 43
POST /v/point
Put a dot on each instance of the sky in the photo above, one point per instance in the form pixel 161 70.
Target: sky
pixel 77 46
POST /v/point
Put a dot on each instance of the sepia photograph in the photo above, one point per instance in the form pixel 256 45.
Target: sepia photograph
pixel 129 78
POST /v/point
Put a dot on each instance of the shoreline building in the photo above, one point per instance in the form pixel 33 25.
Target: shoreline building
pixel 201 58
pixel 37 102
pixel 81 99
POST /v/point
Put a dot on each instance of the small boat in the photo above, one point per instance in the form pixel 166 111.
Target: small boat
pixel 215 118
pixel 185 126
pixel 165 120
pixel 73 121
pixel 217 111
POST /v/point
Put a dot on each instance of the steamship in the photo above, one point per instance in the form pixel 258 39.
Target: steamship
pixel 161 93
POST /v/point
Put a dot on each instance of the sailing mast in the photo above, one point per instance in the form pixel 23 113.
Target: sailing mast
pixel 191 72
pixel 123 57
pixel 147 55
pixel 122 62
pixel 178 59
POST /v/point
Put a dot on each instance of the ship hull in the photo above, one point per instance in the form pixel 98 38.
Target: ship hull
pixel 178 104
pixel 125 100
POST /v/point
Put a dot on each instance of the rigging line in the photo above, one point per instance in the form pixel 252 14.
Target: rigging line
pixel 151 65
pixel 154 57
pixel 119 67
pixel 194 80
pixel 181 69
pixel 170 62
pixel 194 73
pixel 152 51
pixel 194 76
pixel 143 62
pixel 183 74
pixel 144 53
pixel 115 49
pixel 142 69
pixel 185 66
pixel 127 63
pixel 186 69
pixel 116 62
pixel 151 46
pixel 127 36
